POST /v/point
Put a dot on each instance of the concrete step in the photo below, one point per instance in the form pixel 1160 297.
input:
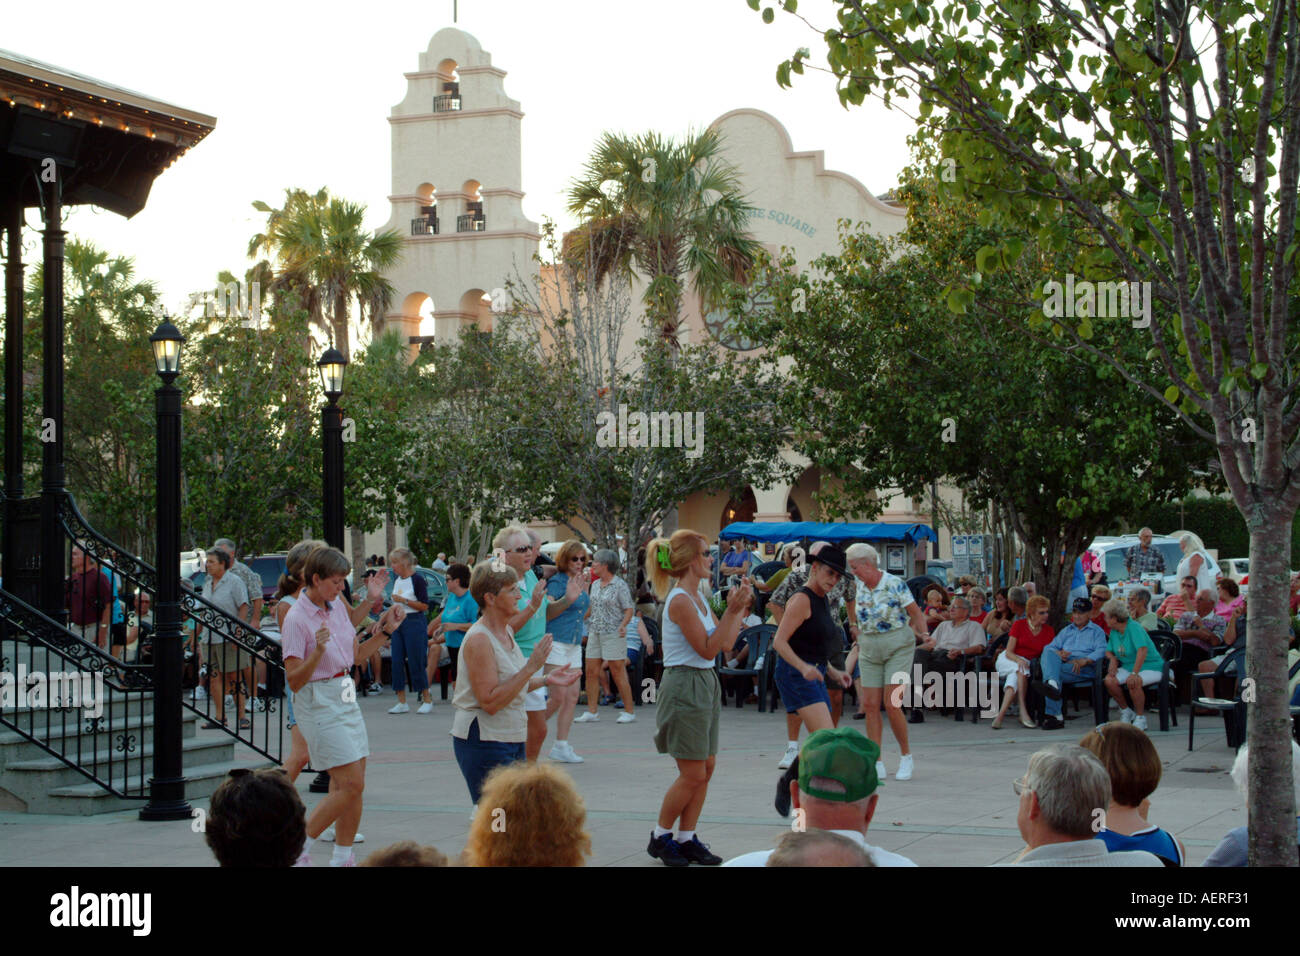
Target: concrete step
pixel 27 779
pixel 85 799
pixel 54 727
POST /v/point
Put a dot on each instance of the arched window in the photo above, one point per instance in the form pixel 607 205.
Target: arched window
pixel 476 307
pixel 473 220
pixel 447 100
pixel 426 224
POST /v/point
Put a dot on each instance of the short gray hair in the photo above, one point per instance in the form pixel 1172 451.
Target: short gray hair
pixel 507 534
pixel 1141 595
pixel 223 558
pixel 973 591
pixel 862 552
pixel 402 554
pixel 227 545
pixel 963 601
pixel 1017 595
pixel 1143 531
pixel 814 847
pixel 608 557
pixel 1205 593
pixel 1116 609
pixel 1071 784
pixel 1241 765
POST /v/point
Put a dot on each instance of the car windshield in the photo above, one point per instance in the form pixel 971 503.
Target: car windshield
pixel 268 569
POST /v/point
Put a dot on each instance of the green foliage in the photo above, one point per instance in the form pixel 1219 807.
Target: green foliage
pixel 1216 520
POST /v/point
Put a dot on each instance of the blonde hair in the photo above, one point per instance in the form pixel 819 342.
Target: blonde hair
pixel 506 534
pixel 528 815
pixel 1101 591
pixel 682 549
pixel 406 853
pixel 291 579
pixel 490 577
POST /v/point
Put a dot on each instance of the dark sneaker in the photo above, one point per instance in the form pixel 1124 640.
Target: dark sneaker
pixel 321 784
pixel 1052 723
pixel 783 788
pixel 917 716
pixel 697 852
pixel 667 849
pixel 1047 690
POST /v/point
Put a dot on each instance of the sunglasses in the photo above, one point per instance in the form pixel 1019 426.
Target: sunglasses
pixel 1021 786
pixel 524 550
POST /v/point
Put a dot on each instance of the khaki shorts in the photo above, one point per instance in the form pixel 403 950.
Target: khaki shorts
pixel 565 655
pixel 606 647
pixel 227 658
pixel 883 656
pixel 333 727
pixel 688 710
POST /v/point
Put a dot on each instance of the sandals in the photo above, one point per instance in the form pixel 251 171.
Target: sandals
pixel 245 724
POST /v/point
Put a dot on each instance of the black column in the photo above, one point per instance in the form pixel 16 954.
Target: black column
pixel 167 786
pixel 52 487
pixel 331 420
pixel 13 225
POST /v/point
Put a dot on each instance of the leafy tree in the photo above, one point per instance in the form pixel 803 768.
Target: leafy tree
pixel 668 209
pixel 1161 139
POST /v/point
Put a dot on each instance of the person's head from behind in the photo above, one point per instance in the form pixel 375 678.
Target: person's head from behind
pixel 1017 598
pixel 294 562
pixel 458 578
pixel 1064 792
pixel 1130 759
pixel 256 819
pixel 528 815
pixel 406 853
pixel 1241 769
pixel 837 782
pixel 818 848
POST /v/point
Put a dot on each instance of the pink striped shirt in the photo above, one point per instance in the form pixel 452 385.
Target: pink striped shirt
pixel 298 635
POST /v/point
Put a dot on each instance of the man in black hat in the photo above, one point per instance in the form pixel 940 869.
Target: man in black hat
pixel 1071 658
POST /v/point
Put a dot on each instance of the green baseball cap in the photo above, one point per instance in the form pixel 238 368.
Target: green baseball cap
pixel 842 755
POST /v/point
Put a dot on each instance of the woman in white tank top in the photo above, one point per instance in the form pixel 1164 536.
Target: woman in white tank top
pixel 688 706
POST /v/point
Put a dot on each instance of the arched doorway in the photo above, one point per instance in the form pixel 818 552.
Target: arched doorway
pixel 740 508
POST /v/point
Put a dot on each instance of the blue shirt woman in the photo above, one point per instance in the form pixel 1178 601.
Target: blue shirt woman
pixel 566 627
pixel 459 609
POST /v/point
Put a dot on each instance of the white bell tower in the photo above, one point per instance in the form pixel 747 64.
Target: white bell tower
pixel 456 190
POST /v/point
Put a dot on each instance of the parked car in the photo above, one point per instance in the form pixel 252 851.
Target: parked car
pixel 1238 569
pixel 1112 550
pixel 268 567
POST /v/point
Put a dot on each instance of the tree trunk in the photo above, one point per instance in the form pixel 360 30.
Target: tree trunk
pixel 390 534
pixel 1271 799
pixel 358 547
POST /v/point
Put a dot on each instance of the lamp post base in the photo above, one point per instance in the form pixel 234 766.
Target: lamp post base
pixel 167 808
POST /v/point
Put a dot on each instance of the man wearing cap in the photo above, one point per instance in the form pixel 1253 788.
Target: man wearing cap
pixel 1072 657
pixel 837 791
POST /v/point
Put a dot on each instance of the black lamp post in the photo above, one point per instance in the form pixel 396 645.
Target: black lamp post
pixel 167 786
pixel 332 365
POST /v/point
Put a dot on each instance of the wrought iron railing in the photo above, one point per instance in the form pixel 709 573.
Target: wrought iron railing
pixel 471 223
pixel 446 102
pixel 249 661
pixel 425 226
pixel 74 700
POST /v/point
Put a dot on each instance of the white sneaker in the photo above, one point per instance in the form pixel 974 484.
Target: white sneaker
pixel 586 717
pixel 904 768
pixel 304 859
pixel 1127 715
pixel 625 718
pixel 791 751
pixel 1140 721
pixel 328 835
pixel 399 709
pixel 426 708
pixel 881 772
pixel 563 752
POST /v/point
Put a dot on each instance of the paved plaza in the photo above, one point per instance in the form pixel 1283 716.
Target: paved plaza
pixel 958 810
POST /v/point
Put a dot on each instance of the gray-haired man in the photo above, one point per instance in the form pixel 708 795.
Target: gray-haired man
pixel 252 582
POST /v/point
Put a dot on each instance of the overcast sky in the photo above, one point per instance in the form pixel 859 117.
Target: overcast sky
pixel 302 92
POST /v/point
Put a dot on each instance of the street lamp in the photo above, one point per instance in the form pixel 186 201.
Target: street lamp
pixel 332 366
pixel 167 786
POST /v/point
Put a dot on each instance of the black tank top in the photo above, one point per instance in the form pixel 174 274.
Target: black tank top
pixel 813 637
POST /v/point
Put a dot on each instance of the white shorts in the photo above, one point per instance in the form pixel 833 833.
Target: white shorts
pixel 1148 677
pixel 333 727
pixel 1009 670
pixel 565 655
pixel 535 699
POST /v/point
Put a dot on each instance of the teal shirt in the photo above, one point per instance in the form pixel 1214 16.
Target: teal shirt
pixel 528 635
pixel 1124 645
pixel 459 609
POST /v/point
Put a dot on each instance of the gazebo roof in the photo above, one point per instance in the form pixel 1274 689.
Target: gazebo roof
pixel 112 141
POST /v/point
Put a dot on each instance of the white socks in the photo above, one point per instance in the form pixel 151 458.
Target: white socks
pixel 341 854
pixel 685 836
pixel 307 845
pixel 660 831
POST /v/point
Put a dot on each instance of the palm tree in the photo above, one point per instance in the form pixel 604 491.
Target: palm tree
pixel 324 255
pixel 667 210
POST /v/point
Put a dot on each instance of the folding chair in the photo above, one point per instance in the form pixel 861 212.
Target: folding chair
pixel 1232 667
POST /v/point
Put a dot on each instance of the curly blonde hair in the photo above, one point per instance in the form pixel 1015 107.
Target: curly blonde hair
pixel 529 815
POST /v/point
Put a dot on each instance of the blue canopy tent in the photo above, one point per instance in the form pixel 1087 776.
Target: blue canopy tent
pixel 772 531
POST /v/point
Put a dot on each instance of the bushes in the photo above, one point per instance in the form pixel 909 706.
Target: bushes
pixel 1216 520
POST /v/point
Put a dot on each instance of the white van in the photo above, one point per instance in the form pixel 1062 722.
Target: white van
pixel 1112 550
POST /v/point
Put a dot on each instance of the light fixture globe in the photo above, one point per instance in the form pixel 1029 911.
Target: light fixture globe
pixel 166 342
pixel 332 365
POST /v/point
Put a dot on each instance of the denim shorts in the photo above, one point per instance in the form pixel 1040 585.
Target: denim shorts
pixel 288 707
pixel 796 690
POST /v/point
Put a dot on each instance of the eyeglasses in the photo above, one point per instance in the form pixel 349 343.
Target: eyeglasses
pixel 1021 786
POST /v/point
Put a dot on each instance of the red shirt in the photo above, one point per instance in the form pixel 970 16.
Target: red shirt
pixel 1100 621
pixel 1028 644
pixel 979 618
pixel 88 594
